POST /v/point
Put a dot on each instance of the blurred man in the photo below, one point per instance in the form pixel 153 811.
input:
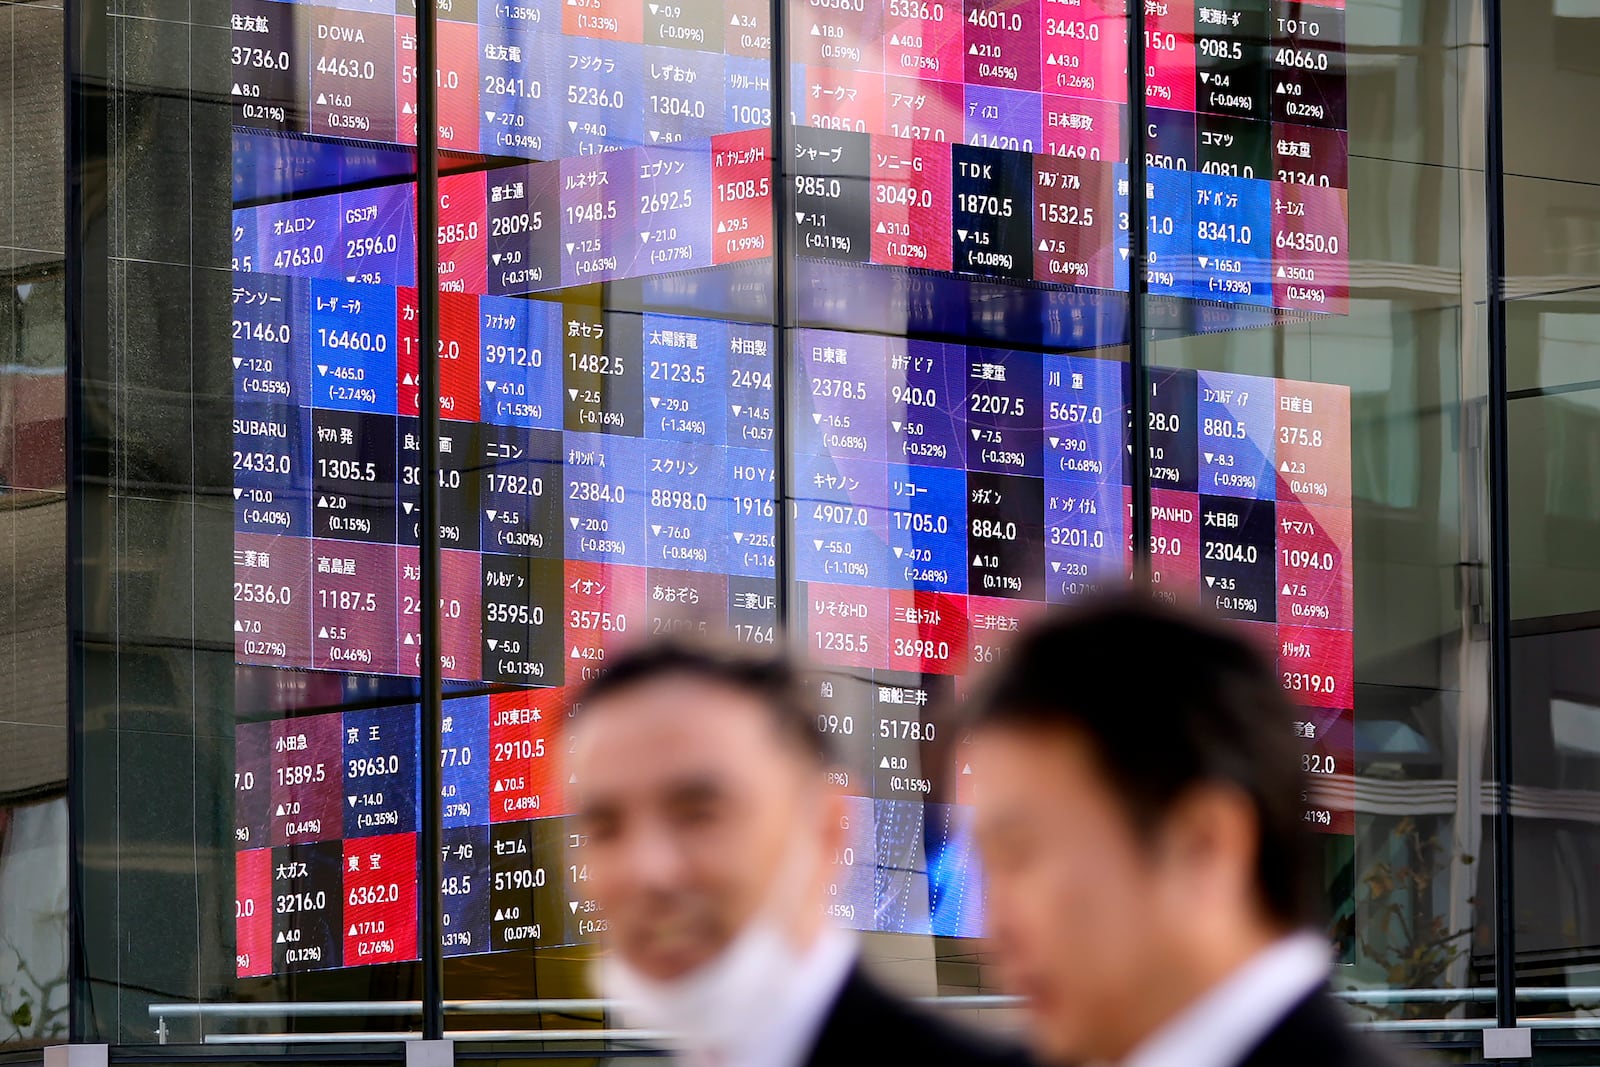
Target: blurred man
pixel 1139 811
pixel 710 833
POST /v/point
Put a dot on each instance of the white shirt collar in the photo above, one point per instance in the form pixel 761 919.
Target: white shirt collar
pixel 786 1031
pixel 1228 1020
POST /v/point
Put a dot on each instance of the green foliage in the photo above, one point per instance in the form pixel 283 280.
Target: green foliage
pixel 25 1006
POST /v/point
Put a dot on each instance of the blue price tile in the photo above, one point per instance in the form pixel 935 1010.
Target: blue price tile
pixel 464 772
pixel 841 531
pixel 271 339
pixel 1237 423
pixel 685 379
pixel 688 509
pixel 520 362
pixel 605 498
pixel 927 528
pixel 272 469
pixel 381 755
pixel 1232 239
pixel 353 340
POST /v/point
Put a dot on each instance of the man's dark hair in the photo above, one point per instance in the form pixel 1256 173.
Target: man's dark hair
pixel 1167 702
pixel 763 673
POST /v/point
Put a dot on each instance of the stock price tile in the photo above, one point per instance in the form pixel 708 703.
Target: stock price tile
pixel 307 896
pixel 991 217
pixel 522 606
pixel 380 771
pixel 832 205
pixel 1005 536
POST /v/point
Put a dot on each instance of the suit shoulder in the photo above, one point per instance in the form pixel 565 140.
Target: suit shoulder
pixel 1317 1034
pixel 870 1025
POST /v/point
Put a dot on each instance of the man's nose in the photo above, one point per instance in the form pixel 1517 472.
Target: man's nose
pixel 655 859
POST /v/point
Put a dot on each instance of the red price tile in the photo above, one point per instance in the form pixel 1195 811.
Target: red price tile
pixel 1317 667
pixel 463 234
pixel 1175 545
pixel 606 20
pixel 1083 129
pixel 687 601
pixel 460 613
pixel 607 609
pixel 1085 49
pixel 924 109
pixel 741 200
pixel 352 74
pixel 847 34
pixel 927 632
pixel 992 625
pixel 354 607
pixel 272 600
pixel 1310 248
pixel 1313 443
pixel 843 99
pixel 458 355
pixel 910 203
pixel 1327 759
pixel 1169 54
pixel 1002 38
pixel 525 758
pixel 457 77
pixel 307 779
pixel 1315 584
pixel 1074 223
pixel 749 31
pixel 252 910
pixel 380 899
pixel 1310 155
pixel 923 39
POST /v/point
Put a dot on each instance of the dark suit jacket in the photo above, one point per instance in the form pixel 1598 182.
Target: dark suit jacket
pixel 1316 1033
pixel 874 1028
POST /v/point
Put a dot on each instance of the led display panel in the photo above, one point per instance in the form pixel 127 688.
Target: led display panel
pixel 611 474
pixel 617 480
pixel 984 138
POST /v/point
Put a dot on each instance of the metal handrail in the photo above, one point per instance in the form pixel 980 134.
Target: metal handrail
pixel 598 1006
pixel 562 1037
pixel 335 1008
pixel 647 1038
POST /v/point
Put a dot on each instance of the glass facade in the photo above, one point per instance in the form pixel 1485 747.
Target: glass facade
pixel 34 994
pixel 1286 303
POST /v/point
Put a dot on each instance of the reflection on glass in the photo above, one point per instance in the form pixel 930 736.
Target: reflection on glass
pixel 957 446
pixel 1553 228
pixel 952 211
pixel 1401 734
pixel 607 467
pixel 34 847
pixel 33 912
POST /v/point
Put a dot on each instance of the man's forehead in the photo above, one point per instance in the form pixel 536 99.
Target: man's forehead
pixel 677 717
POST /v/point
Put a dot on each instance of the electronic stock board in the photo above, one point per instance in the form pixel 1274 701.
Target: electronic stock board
pixel 609 475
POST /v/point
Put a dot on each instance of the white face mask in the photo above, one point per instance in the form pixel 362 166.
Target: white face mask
pixel 736 991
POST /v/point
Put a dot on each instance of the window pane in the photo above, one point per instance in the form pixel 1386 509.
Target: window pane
pixel 604 237
pixel 33 615
pixel 1552 221
pixel 1372 488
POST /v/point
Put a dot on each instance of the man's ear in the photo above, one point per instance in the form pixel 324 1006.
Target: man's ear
pixel 1211 838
